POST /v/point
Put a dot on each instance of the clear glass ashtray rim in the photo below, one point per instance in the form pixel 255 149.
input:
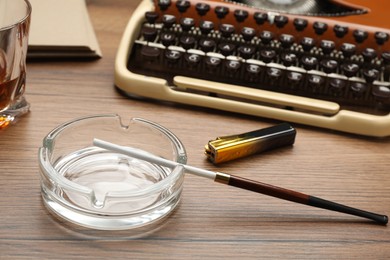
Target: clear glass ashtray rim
pixel 65 209
pixel 49 171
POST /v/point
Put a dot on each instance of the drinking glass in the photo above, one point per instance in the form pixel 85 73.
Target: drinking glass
pixel 14 30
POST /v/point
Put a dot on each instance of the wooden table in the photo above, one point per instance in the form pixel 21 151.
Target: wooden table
pixel 213 221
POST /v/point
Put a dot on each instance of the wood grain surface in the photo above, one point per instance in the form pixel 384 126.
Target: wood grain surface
pixel 213 221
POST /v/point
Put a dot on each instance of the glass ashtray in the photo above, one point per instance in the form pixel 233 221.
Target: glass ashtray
pixel 101 189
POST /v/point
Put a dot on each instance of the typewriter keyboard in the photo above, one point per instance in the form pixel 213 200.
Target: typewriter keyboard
pixel 356 78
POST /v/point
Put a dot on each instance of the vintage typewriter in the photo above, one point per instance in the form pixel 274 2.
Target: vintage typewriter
pixel 323 63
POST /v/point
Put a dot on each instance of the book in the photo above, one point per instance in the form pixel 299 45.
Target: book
pixel 61 29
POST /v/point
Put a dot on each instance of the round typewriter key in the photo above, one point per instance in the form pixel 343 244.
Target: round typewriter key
pixel 348 49
pixel 267 55
pixel 149 34
pixel 337 86
pixel 202 8
pixel 370 75
pixel 253 71
pixel 207 45
pixel 150 53
pixel 187 24
pixel 232 67
pixel 307 43
pixel 300 24
pixel 182 6
pixel 206 27
pixel 381 37
pixel 168 20
pixel 168 39
pixel 286 40
pixel 350 69
pixel 340 30
pixel 288 59
pixel 151 17
pixel 173 56
pixel 294 79
pixel 329 66
pixel 274 74
pixel 381 92
pixel 320 28
pixel 187 42
pixel 226 49
pixel 192 60
pixel 248 33
pixel 281 21
pixel 240 15
pixel 386 57
pixel 316 81
pixel 358 89
pixel 260 18
pixel 266 37
pixel 246 52
pixel 164 4
pixel 227 30
pixel 327 46
pixel 369 54
pixel 360 35
pixel 309 62
pixel 212 63
pixel 221 11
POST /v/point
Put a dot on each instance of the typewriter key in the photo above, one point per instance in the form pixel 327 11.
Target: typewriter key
pixel 221 11
pixel 281 21
pixel 168 20
pixel 207 45
pixel 246 52
pixel 329 66
pixel 369 54
pixel 206 27
pixel 309 62
pixel 151 17
pixel 340 30
pixel 288 59
pixel 248 33
pixel 168 39
pixel 300 24
pixel 226 49
pixel 370 75
pixel 150 53
pixel 350 69
pixel 253 72
pixel 267 55
pixel 381 93
pixel 320 28
pixel 187 41
pixel 266 37
pixel 360 35
pixel 358 89
pixel 327 46
pixel 187 24
pixel 240 15
pixel 337 86
pixel 232 67
pixel 381 37
pixel 202 8
pixel 348 49
pixel 227 30
pixel 307 43
pixel 182 6
pixel 286 40
pixel 164 4
pixel 260 18
pixel 294 79
pixel 149 33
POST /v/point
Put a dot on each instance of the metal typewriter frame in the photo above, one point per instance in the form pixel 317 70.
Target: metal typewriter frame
pixel 325 114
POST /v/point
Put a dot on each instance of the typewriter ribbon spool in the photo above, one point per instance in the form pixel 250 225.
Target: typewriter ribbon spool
pixel 329 67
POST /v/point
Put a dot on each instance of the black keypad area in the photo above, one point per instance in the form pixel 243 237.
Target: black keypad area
pixel 260 58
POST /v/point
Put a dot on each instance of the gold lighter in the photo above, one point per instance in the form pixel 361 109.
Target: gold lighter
pixel 227 148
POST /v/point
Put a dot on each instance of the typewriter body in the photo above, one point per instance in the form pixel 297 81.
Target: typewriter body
pixel 321 63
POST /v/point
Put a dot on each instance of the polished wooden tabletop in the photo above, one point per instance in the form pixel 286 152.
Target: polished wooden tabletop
pixel 213 221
